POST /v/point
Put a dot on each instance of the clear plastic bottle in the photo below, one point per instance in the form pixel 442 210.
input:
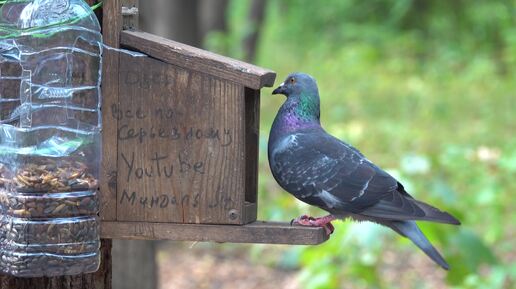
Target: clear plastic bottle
pixel 50 146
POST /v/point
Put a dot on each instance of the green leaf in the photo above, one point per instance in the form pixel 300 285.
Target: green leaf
pixel 470 253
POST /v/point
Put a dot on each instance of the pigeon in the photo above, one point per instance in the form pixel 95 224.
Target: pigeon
pixel 323 171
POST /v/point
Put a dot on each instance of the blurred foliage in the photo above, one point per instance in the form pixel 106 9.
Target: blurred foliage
pixel 427 90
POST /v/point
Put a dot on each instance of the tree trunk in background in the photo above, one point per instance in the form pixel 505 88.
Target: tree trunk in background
pixel 134 264
pixel 98 280
pixel 212 16
pixel 256 14
pixel 172 19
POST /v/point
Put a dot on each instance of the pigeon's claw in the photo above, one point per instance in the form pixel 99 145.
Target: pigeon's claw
pixel 309 221
pixel 302 220
pixel 329 228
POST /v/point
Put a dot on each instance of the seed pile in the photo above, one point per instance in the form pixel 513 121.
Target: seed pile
pixel 50 205
pixel 49 177
pixel 69 249
pixel 49 223
pixel 52 231
pixel 37 265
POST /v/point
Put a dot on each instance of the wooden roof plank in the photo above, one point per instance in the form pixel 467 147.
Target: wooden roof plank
pixel 197 59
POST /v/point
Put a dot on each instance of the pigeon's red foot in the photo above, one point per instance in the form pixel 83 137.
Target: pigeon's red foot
pixel 309 221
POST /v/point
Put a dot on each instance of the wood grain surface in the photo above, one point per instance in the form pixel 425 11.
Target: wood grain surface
pixel 256 232
pixel 181 145
pixel 111 27
pixel 197 59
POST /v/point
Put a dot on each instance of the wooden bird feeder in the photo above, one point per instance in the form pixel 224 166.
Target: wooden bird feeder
pixel 180 143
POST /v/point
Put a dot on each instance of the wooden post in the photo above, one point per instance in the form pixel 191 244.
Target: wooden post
pixel 134 264
pixel 130 14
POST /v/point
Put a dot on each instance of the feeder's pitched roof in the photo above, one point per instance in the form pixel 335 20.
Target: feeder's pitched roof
pixel 192 58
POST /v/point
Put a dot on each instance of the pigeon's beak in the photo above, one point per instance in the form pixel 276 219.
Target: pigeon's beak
pixel 280 89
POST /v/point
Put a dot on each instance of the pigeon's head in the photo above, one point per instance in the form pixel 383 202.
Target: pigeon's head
pixel 296 84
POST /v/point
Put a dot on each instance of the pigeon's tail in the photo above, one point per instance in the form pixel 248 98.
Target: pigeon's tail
pixel 436 215
pixel 410 230
pixel 404 208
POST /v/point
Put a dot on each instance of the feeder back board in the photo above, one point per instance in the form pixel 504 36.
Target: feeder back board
pixel 186 128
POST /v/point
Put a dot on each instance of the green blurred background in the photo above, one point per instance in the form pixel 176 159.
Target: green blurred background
pixel 425 89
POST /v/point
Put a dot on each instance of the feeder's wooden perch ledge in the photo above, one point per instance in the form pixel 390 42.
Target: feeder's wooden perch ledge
pixel 256 232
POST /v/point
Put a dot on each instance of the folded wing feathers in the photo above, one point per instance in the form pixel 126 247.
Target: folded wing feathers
pixel 399 207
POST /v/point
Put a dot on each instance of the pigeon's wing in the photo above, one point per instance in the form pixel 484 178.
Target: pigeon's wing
pixel 323 171
pixel 399 205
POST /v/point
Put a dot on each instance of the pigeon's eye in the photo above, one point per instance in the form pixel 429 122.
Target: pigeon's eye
pixel 292 80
